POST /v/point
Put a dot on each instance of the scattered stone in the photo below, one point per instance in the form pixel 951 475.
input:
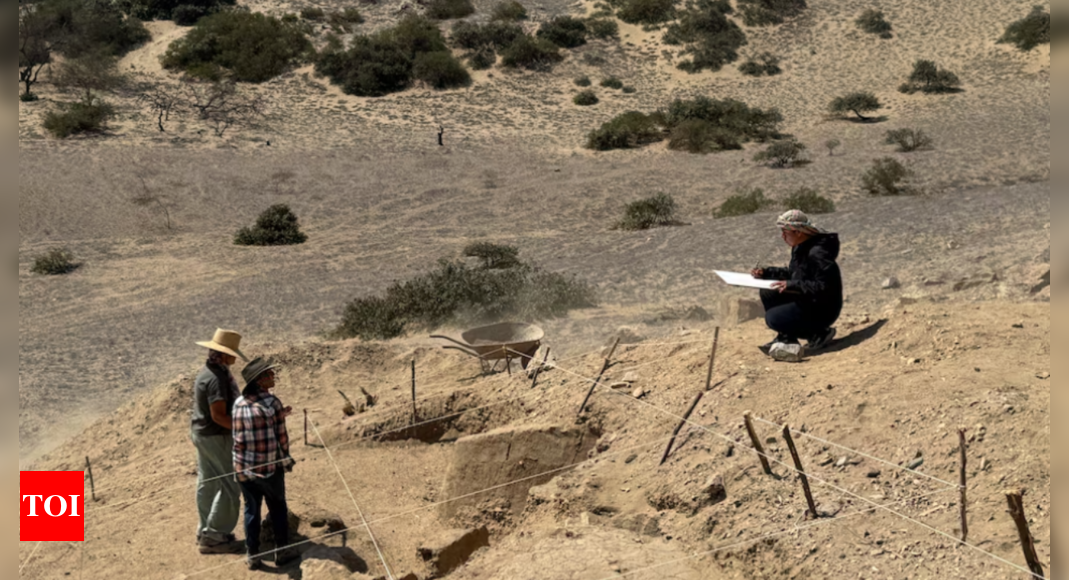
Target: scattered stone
pixel 1043 376
pixel 620 386
pixel 1019 325
pixel 324 570
pixel 789 353
pixel 915 464
pixel 344 556
pixel 631 459
pixel 630 377
pixel 891 283
pixel 875 473
pixel 639 393
pixel 643 525
pixel 841 463
pixel 453 549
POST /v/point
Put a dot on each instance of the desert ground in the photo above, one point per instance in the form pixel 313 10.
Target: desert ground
pixel 107 355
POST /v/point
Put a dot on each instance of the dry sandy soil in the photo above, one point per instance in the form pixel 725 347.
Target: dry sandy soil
pixel 106 354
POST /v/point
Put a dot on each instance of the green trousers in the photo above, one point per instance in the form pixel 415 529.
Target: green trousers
pixel 218 494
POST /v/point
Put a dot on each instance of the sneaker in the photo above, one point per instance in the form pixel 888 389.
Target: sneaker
pixel 210 546
pixel 822 340
pixel 254 563
pixel 787 352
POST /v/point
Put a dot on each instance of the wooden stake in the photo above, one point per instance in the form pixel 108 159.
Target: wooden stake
pixel 686 417
pixel 964 487
pixel 1015 499
pixel 306 427
pixel 604 367
pixel 697 399
pixel 415 410
pixel 92 484
pixel 801 471
pixel 712 359
pixel 757 443
pixel 538 370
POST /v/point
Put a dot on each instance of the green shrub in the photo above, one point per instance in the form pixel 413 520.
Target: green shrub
pixel 583 81
pixel 659 210
pixel 586 99
pixel 457 293
pixel 313 14
pixel 612 83
pixel 78 118
pixel 736 117
pixel 80 27
pixel 449 9
pixel 383 62
pixel 786 153
pixel 440 70
pixel 493 256
pixel 531 53
pixel 809 201
pixel 629 130
pixel 745 202
pixel 710 38
pixel 56 262
pixel 887 177
pixel 769 12
pixel 1030 31
pixel 250 47
pixel 472 36
pixel 928 78
pixel 603 28
pixel 909 140
pixel 276 226
pixel 171 9
pixel 856 103
pixel 700 136
pixel 873 22
pixel 509 10
pixel 483 58
pixel 766 64
pixel 564 31
pixel 832 145
pixel 647 11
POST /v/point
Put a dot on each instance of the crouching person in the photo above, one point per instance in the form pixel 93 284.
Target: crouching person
pixel 261 460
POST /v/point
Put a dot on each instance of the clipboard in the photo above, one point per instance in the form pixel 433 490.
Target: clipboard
pixel 744 280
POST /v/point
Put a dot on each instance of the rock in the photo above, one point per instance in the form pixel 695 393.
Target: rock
pixel 688 498
pixel 875 473
pixel 915 464
pixel 639 393
pixel 630 377
pixel 891 283
pixel 343 556
pixel 620 386
pixel 640 524
pixel 1043 376
pixel 267 532
pixel 453 549
pixel 789 353
pixel 841 463
pixel 740 310
pixel 324 570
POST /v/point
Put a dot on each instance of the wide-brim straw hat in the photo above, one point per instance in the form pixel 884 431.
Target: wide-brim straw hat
pixel 256 369
pixel 226 342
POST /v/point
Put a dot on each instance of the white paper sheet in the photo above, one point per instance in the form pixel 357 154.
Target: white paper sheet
pixel 745 280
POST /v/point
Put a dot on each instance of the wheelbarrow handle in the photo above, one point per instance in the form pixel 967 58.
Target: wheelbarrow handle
pixel 463 350
pixel 453 340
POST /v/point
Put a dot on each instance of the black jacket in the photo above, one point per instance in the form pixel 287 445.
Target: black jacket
pixel 813 273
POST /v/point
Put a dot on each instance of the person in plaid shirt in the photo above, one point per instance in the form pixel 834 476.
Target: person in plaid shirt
pixel 261 460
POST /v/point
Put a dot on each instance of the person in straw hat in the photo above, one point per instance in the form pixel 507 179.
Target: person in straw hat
pixel 261 459
pixel 218 496
pixel 807 297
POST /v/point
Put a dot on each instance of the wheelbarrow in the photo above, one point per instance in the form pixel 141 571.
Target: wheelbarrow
pixel 506 342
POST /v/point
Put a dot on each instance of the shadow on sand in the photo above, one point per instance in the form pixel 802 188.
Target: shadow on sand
pixel 853 339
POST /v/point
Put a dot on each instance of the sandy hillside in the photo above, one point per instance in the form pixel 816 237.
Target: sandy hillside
pixel 894 388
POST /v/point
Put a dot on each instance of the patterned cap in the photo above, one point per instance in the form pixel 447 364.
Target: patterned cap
pixel 797 221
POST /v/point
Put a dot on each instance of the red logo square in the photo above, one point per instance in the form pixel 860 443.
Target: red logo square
pixel 53 506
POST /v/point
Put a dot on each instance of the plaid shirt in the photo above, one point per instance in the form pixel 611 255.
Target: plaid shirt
pixel 260 436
